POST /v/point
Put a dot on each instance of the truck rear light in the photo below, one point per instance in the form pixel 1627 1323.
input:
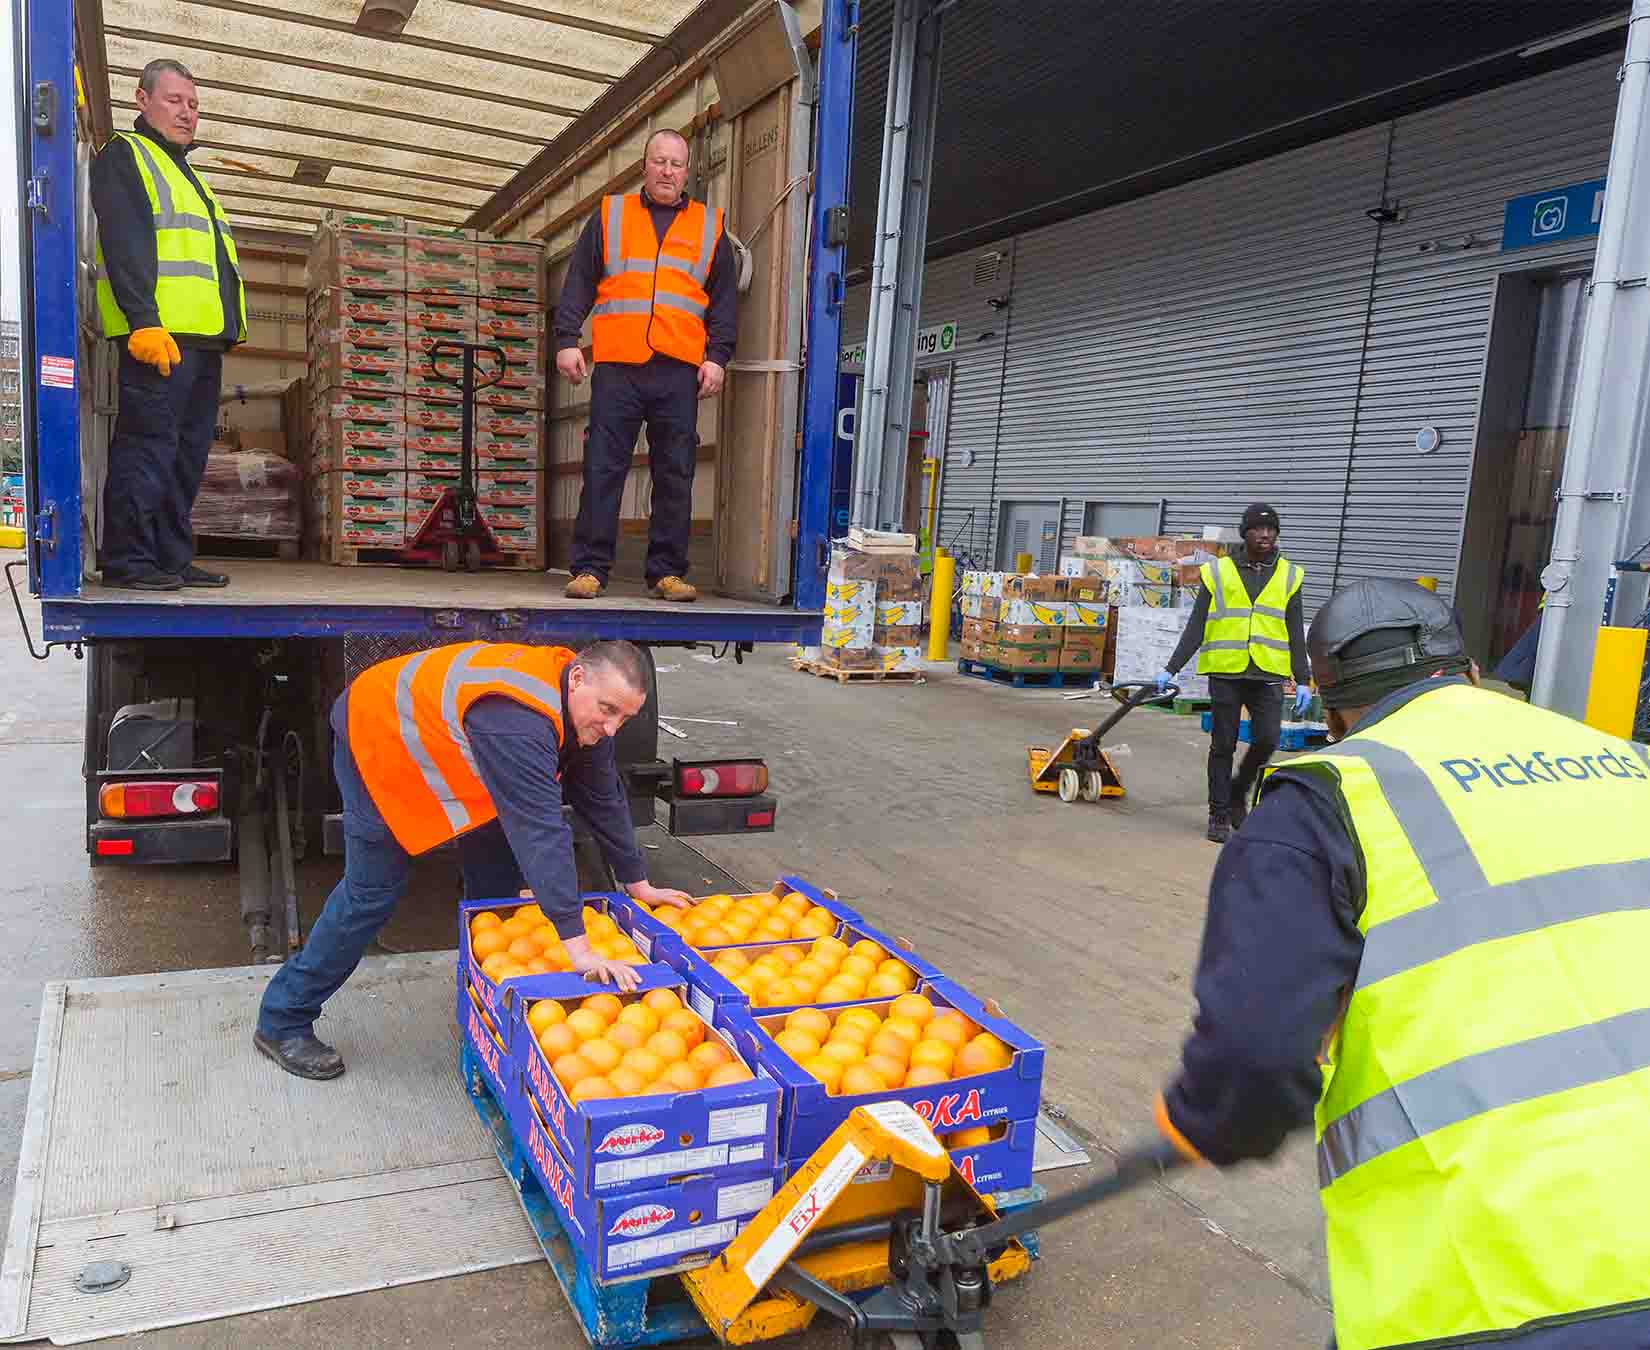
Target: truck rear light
pixel 155 797
pixel 114 848
pixel 758 820
pixel 721 778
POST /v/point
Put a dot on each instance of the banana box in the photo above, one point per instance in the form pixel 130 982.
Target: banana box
pixel 1032 612
pixel 898 613
pixel 1087 589
pixel 1050 589
pixel 975 649
pixel 1155 573
pixel 1027 635
pixel 1028 658
pixel 983 583
pixel 1086 614
pixel 1151 596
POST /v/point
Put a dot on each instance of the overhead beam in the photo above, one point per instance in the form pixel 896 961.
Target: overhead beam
pixel 330 205
pixel 178 41
pixel 406 39
pixel 566 20
pixel 360 167
pixel 344 105
pixel 347 187
pixel 331 134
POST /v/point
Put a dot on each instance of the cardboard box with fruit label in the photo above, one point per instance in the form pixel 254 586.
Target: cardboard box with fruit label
pixel 990 1158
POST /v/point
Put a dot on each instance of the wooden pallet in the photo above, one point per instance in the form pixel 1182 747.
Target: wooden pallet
pixel 234 546
pixel 858 676
pixel 345 555
pixel 1023 679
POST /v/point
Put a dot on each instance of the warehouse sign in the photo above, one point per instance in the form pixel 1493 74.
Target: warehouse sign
pixel 938 341
pixel 1554 215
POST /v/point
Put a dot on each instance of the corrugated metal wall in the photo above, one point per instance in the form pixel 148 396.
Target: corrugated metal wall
pixel 1207 345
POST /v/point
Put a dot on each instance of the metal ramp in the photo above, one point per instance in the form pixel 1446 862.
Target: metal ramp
pixel 157 1138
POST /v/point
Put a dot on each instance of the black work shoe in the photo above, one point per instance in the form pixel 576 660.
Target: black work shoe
pixel 1219 830
pixel 195 576
pixel 146 581
pixel 302 1055
pixel 1239 811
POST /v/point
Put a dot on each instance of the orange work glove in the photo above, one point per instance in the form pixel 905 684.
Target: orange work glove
pixel 155 347
pixel 1167 1129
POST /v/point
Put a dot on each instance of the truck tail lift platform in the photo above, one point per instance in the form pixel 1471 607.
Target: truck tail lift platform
pixel 879 1230
pixel 1078 766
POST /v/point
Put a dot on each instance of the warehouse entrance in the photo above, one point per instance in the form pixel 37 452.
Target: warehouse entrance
pixel 1518 461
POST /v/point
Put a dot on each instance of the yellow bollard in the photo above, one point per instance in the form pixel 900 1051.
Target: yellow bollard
pixel 1022 563
pixel 1613 694
pixel 939 605
pixel 1431 583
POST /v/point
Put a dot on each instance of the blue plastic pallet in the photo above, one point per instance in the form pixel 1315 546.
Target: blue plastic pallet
pixel 1023 679
pixel 1290 738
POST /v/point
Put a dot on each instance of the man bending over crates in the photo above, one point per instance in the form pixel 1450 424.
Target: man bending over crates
pixel 1249 635
pixel 479 742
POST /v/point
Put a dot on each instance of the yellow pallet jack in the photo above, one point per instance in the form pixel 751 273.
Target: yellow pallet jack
pixel 879 1211
pixel 1078 767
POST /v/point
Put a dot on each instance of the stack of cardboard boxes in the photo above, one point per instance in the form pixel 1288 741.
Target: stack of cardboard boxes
pixel 1032 623
pixel 873 612
pixel 385 415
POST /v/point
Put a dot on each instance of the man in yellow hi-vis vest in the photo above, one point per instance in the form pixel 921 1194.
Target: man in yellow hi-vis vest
pixel 1430 940
pixel 169 291
pixel 1249 635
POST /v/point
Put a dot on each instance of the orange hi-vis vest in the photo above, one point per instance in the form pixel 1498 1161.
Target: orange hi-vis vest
pixel 406 731
pixel 652 298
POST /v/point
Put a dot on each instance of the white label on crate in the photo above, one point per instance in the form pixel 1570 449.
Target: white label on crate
pixel 738 1122
pixel 878 1170
pixel 813 1202
pixel 745 1153
pixel 669 1244
pixel 644 944
pixel 746 1199
pixel 702 1004
pixel 899 1119
pixel 680 1163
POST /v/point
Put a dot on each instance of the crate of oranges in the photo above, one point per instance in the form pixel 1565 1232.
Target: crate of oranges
pixel 958 1063
pixel 789 909
pixel 637 1087
pixel 501 940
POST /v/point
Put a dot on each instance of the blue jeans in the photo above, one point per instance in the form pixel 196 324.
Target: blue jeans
pixel 375 879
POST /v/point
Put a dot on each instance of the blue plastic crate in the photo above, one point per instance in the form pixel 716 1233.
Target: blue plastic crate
pixel 653 937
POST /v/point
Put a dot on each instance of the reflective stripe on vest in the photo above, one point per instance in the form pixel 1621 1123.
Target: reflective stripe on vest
pixel 406 731
pixel 1236 631
pixel 187 295
pixel 1482 1125
pixel 651 297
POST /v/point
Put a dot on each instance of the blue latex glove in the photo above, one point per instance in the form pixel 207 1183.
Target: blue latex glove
pixel 1303 700
pixel 1163 680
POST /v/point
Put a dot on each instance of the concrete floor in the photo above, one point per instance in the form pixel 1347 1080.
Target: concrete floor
pixel 911 801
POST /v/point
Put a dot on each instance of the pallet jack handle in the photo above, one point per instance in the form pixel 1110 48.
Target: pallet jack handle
pixel 1145 692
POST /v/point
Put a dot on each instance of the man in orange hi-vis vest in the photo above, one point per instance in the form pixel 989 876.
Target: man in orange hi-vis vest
pixel 655 275
pixel 479 742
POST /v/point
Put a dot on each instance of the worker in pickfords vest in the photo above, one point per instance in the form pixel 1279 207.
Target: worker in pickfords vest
pixel 656 275
pixel 1429 942
pixel 1249 635
pixel 480 742
pixel 169 291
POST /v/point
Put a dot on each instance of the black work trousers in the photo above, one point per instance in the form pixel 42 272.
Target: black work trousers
pixel 157 456
pixel 664 394
pixel 1228 696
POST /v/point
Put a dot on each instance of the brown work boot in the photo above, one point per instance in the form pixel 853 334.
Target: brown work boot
pixel 585 586
pixel 673 588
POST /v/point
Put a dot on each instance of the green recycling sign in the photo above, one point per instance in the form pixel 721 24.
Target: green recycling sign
pixel 932 343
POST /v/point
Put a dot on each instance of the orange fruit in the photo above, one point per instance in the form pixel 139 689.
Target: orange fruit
pixel 984 1054
pixel 774 928
pixel 870 951
pixel 780 994
pixel 571 1069
pixel 681 1078
pixel 662 1001
pixel 808 971
pixel 539 966
pixel 904 1027
pixel 731 964
pixel 727 1075
pixel 603 1056
pixel 949 1027
pixel 829 951
pixel 827 1071
pixel 857 1032
pixel 799 1045
pixel 523 949
pixel 626 1083
pixel 923 1076
pixel 791 956
pixel 709 1056
pixel 529 911
pixel 519 926
pixel 884 986
pixel 512 970
pixel 644 1063
pixel 557 959
pixel 817 923
pixel 898 970
pixel 843 1051
pixel 605 1006
pixel 558 1040
pixel 668 1046
pixel 970 1138
pixel 644 1019
pixel 589 1089
pixel 859 1078
pixel 587 1023
pixel 811 1020
pixel 891 1070
pixel 839 991
pixel 486 942
pixel 858 967
pixel 545 936
pixel 747 986
pixel 480 923
pixel 625 1036
pixel 869 1016
pixel 936 1054
pixel 493 964
pixel 671 918
pixel 914 1008
pixel 891 1045
pixel 685 1024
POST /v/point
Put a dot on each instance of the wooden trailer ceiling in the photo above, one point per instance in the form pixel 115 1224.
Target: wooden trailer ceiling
pixel 302 109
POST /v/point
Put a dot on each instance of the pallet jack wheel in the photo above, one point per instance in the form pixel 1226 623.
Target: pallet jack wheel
pixel 1092 783
pixel 449 555
pixel 1069 785
pixel 472 555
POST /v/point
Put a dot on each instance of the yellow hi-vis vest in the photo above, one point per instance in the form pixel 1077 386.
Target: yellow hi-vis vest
pixel 1485 1115
pixel 1235 630
pixel 186 274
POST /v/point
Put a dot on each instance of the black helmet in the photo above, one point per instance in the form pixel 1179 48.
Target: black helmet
pixel 1260 515
pixel 1374 627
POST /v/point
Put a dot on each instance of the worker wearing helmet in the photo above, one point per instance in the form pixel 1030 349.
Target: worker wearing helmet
pixel 1430 939
pixel 1249 635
